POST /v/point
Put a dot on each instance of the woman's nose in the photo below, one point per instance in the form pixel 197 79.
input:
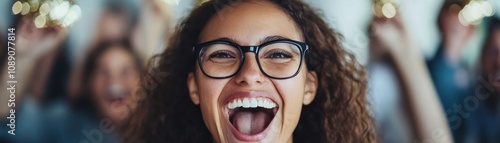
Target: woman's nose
pixel 250 72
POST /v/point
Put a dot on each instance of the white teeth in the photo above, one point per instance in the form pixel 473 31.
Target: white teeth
pixel 271 104
pixel 251 103
pixel 239 103
pixel 232 105
pixel 246 103
pixel 265 104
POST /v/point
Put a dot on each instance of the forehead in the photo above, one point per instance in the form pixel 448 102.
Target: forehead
pixel 249 22
pixel 115 55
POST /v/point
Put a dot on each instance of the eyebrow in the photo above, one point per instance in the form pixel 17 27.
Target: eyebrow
pixel 267 39
pixel 272 38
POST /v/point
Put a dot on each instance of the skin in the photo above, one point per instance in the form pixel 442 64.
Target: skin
pixel 115 67
pixel 389 37
pixel 113 26
pixel 454 35
pixel 249 23
pixel 36 48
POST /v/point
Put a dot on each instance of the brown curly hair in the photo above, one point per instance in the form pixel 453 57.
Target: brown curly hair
pixel 339 112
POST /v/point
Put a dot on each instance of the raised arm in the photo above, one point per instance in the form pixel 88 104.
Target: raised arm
pixel 424 106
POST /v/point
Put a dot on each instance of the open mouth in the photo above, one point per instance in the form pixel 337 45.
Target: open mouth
pixel 116 93
pixel 251 116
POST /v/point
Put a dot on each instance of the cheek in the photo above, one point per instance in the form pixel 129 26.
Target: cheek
pixel 98 86
pixel 132 81
pixel 209 91
pixel 98 93
pixel 292 93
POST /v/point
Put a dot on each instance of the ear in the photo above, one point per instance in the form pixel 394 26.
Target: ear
pixel 193 89
pixel 310 88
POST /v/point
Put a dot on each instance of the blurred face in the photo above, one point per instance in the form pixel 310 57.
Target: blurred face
pixel 455 35
pixel 450 21
pixel 491 58
pixel 113 26
pixel 113 83
pixel 250 106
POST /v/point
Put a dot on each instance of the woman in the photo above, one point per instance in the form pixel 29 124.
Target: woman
pixel 109 80
pixel 297 85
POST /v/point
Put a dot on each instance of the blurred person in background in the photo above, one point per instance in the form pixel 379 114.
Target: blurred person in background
pixel 36 48
pixel 482 124
pixel 110 79
pixel 41 72
pixel 391 114
pixel 115 23
pixel 406 105
pixel 155 23
pixel 42 69
pixel 450 75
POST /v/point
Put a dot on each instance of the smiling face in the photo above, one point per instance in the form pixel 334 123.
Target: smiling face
pixel 114 82
pixel 249 106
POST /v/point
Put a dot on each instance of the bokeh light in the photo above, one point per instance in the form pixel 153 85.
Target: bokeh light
pixel 40 21
pixel 49 12
pixel 17 7
pixel 475 11
pixel 26 8
pixel 389 10
pixel 385 8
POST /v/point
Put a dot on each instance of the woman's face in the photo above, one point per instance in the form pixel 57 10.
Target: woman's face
pixel 250 23
pixel 491 62
pixel 113 26
pixel 113 82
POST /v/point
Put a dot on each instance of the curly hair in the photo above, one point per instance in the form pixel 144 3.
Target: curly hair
pixel 339 112
pixel 83 100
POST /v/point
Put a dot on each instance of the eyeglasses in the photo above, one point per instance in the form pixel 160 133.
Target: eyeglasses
pixel 278 59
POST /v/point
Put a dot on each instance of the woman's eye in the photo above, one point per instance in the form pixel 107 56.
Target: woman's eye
pixel 221 54
pixel 279 55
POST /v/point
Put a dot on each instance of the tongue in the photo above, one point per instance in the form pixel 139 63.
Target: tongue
pixel 251 122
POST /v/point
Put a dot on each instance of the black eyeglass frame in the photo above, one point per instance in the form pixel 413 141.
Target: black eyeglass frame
pixel 303 47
